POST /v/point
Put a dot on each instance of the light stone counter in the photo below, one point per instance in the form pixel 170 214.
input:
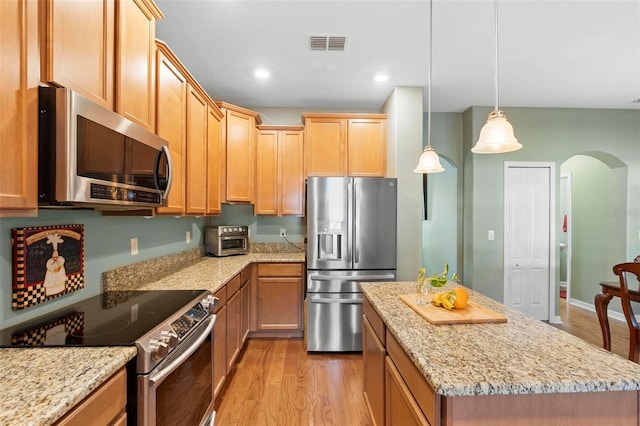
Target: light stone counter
pixel 521 356
pixel 205 273
pixel 39 385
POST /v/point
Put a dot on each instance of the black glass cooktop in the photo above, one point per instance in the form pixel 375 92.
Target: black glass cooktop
pixel 113 318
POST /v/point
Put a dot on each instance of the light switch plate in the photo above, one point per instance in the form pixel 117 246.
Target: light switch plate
pixel 188 239
pixel 491 235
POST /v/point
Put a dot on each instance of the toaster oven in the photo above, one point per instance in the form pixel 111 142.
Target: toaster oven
pixel 226 240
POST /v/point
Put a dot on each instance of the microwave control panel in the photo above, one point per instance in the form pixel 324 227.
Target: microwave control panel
pixel 106 192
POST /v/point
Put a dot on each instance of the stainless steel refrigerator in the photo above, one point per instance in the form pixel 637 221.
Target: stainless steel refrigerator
pixel 351 237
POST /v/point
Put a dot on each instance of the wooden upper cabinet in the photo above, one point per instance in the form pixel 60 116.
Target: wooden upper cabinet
pixel 238 150
pixel 214 142
pixel 77 40
pixel 325 146
pixel 267 190
pixel 197 115
pixel 367 147
pixel 171 95
pixel 345 144
pixel 19 78
pixel 279 170
pixel 135 61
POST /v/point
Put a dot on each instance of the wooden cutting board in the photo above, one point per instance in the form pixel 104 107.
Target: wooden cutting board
pixel 471 314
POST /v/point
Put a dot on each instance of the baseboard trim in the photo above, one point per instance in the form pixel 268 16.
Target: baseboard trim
pixel 555 320
pixel 591 307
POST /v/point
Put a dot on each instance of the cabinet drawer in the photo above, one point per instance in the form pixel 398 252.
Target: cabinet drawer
pixel 424 395
pixel 280 269
pixel 103 405
pixel 222 298
pixel 374 319
pixel 233 286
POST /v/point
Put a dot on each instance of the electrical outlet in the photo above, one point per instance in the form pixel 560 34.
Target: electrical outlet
pixel 134 247
pixel 283 232
pixel 188 239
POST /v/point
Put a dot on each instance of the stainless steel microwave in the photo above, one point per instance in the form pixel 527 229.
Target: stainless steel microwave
pixel 89 156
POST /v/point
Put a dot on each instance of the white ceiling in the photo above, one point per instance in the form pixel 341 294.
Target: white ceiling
pixel 552 53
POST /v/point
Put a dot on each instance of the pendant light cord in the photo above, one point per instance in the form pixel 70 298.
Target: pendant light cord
pixel 495 57
pixel 429 74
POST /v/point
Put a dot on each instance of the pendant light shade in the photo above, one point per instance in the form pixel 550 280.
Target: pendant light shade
pixel 429 162
pixel 496 136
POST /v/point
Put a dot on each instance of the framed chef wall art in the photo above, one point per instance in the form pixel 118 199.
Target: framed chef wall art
pixel 48 261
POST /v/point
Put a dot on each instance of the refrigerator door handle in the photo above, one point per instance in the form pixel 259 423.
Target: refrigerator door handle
pixel 356 228
pixel 350 224
pixel 351 277
pixel 320 299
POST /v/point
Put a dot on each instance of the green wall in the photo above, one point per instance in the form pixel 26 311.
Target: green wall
pixel 107 246
pixel 547 135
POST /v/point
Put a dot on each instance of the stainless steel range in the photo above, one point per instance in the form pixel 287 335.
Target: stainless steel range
pixel 170 380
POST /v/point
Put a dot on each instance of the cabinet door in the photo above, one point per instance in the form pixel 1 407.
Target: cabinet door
pixel 267 194
pixel 196 152
pixel 240 131
pixel 78 42
pixel 19 77
pixel 233 329
pixel 279 303
pixel 325 140
pixel 367 148
pixel 219 350
pixel 171 125
pixel 291 155
pixel 400 406
pixel 135 65
pixel 214 140
pixel 373 354
pixel 245 297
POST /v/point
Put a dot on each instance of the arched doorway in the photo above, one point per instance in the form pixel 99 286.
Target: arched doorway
pixel 596 212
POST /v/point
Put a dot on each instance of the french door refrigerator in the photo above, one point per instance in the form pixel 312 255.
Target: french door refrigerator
pixel 351 237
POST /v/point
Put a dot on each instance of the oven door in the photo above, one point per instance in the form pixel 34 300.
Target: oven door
pixel 180 389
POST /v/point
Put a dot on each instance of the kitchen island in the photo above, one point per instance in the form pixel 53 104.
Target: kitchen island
pixel 522 372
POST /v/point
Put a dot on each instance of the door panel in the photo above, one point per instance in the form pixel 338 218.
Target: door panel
pixel 328 223
pixel 374 233
pixel 527 239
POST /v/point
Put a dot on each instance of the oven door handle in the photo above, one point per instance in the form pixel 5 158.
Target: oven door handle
pixel 159 376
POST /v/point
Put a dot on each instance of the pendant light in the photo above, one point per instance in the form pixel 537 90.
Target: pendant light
pixel 429 161
pixel 496 136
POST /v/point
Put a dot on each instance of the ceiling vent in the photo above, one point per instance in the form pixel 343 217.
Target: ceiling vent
pixel 326 43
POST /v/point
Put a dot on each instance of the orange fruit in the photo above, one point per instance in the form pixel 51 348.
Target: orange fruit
pixel 462 297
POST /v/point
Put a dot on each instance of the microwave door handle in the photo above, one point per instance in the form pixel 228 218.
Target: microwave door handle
pixel 164 151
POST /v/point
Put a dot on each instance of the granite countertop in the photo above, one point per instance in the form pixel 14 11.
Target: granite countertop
pixel 206 273
pixel 40 385
pixel 521 356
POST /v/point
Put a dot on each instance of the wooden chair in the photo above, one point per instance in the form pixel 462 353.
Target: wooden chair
pixel 624 271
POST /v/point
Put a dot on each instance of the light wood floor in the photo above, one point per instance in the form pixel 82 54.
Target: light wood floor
pixel 276 382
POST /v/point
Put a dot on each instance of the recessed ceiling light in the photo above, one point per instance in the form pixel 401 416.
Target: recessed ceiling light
pixel 381 77
pixel 262 73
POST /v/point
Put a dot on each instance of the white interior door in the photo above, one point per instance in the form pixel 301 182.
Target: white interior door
pixel 529 198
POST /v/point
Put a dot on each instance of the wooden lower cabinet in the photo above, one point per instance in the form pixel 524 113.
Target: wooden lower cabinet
pixel 245 301
pixel 220 342
pixel 233 321
pixel 104 406
pixel 373 356
pixel 277 309
pixel 400 406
